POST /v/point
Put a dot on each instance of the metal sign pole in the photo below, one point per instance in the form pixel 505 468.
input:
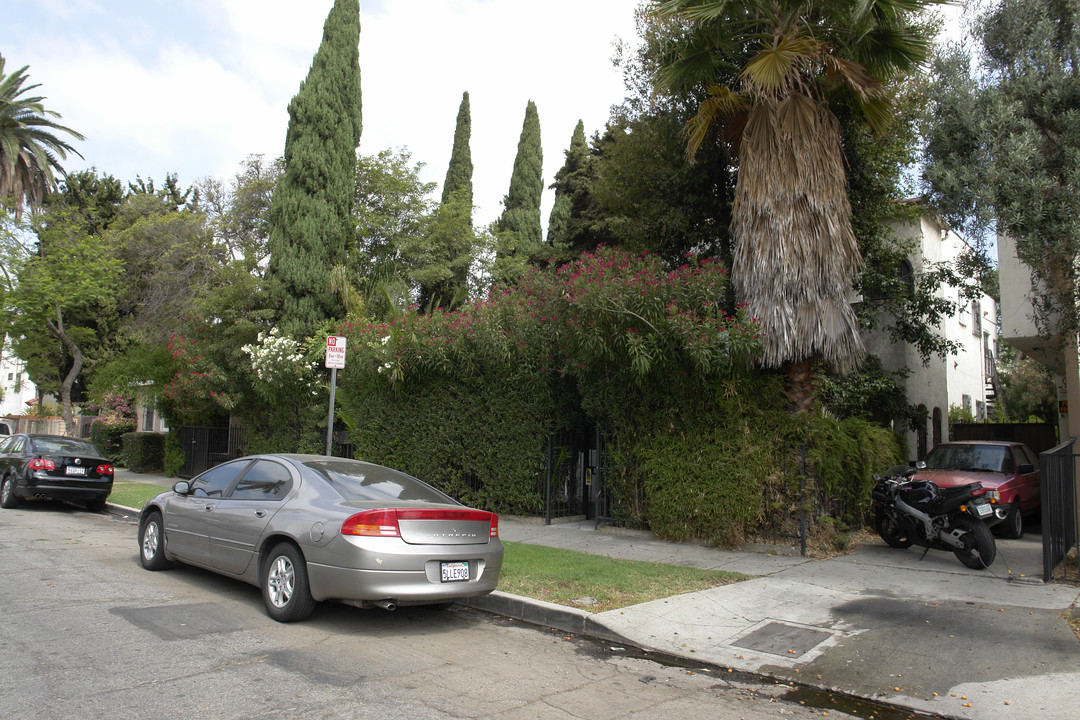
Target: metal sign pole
pixel 330 418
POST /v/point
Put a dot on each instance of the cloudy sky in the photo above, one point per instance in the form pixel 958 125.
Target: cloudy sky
pixel 195 86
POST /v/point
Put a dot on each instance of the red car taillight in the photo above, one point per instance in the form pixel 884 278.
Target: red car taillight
pixel 104 469
pixel 41 464
pixel 384 523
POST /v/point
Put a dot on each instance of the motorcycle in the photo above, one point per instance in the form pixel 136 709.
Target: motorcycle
pixel 917 512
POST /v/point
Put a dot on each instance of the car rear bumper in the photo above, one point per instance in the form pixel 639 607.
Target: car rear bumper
pixel 61 489
pixel 329 582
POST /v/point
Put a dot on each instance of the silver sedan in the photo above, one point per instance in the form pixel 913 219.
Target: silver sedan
pixel 307 528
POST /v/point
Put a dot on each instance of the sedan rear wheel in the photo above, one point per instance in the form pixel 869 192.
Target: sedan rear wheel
pixel 8 498
pixel 285 584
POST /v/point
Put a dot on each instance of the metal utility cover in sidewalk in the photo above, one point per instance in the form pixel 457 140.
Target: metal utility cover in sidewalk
pixel 777 638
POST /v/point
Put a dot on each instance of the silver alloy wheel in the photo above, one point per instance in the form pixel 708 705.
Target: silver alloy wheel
pixel 280 580
pixel 5 490
pixel 151 540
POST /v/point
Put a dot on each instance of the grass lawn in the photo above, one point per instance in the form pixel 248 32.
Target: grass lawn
pixel 551 574
pixel 133 494
pixel 561 576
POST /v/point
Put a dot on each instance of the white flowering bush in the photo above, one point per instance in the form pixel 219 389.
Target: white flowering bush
pixel 280 366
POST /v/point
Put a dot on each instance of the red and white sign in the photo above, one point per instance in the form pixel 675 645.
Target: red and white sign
pixel 335 351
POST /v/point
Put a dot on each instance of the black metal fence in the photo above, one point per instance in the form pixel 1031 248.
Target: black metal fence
pixel 1058 476
pixel 205 447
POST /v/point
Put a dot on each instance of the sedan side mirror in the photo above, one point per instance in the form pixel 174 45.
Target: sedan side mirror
pixel 1026 469
pixel 182 488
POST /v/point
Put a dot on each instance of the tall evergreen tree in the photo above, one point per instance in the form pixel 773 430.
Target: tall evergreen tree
pixel 459 173
pixel 519 230
pixel 572 186
pixel 311 220
pixel 444 276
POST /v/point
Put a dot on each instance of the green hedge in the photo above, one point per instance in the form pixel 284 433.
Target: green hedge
pixel 144 451
pixel 108 436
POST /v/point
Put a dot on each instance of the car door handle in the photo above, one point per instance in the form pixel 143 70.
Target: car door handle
pixel 208 508
pixel 260 513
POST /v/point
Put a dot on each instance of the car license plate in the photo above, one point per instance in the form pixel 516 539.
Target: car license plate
pixel 983 510
pixel 455 571
pixel 74 470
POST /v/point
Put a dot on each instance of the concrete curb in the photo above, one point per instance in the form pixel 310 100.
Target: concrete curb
pixel 539 612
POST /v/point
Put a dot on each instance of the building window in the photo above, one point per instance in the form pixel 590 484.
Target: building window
pixel 976 319
pixel 962 312
pixel 148 419
pixel 980 410
pixel 966 400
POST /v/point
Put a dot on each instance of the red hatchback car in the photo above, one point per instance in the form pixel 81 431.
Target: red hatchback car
pixel 1010 468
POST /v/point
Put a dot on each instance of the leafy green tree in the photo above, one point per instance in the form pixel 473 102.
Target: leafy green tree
pixel 518 228
pixel 311 218
pixel 239 213
pixel 393 211
pixel 170 260
pixel 63 291
pixel 1003 141
pixel 30 146
pixel 770 70
pixel 1030 390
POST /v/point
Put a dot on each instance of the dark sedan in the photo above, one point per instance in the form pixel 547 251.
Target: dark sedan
pixel 1009 468
pixel 307 528
pixel 53 466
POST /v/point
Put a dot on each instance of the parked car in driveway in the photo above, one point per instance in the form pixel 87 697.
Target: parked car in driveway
pixel 53 466
pixel 1010 468
pixel 307 528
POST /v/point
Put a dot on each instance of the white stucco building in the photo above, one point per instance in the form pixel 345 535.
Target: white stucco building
pixel 17 388
pixel 963 380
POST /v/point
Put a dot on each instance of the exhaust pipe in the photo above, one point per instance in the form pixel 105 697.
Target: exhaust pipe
pixel 388 605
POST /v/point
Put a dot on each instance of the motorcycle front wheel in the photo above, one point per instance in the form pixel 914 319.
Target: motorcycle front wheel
pixel 890 532
pixel 979 548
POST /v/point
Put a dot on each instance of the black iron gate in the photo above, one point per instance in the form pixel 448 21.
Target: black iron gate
pixel 205 447
pixel 1058 476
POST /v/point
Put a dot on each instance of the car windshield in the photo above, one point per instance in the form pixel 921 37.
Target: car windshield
pixel 65 446
pixel 993 458
pixel 355 480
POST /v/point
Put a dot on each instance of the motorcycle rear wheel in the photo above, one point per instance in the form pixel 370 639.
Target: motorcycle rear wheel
pixel 979 548
pixel 890 532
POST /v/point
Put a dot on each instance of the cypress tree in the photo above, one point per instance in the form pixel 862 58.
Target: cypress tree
pixel 519 227
pixel 572 185
pixel 444 279
pixel 311 220
pixel 459 174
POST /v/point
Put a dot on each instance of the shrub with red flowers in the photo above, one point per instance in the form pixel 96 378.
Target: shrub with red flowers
pixel 197 390
pixel 613 335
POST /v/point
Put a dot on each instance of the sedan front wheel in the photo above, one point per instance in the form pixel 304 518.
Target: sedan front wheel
pixel 285 584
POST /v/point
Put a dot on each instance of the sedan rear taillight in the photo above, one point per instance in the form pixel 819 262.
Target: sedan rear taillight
pixel 384 523
pixel 105 469
pixel 41 464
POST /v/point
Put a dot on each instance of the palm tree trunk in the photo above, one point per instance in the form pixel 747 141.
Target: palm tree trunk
pixel 799 385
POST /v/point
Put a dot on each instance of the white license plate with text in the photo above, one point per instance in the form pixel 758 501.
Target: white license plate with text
pixel 455 571
pixel 75 470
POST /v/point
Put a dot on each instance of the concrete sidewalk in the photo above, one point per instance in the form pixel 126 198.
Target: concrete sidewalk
pixel 888 625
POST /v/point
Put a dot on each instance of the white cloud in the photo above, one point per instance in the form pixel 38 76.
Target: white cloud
pixel 194 86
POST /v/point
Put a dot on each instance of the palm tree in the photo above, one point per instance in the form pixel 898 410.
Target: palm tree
pixel 29 146
pixel 768 70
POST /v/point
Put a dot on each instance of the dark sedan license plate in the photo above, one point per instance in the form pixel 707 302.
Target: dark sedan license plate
pixel 455 571
pixel 75 470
